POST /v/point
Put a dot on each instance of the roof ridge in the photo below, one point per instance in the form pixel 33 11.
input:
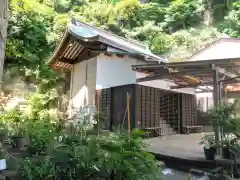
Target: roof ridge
pixel 229 39
pixel 208 45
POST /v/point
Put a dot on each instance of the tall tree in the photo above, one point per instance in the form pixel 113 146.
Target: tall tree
pixel 3 33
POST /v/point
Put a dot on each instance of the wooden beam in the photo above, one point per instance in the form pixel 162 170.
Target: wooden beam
pixel 199 63
pixel 205 89
pixel 191 85
pixel 149 78
pixel 196 71
pixel 173 75
pixel 231 80
pixel 203 84
pixel 224 72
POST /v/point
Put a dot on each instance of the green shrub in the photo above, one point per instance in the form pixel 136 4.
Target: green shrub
pixel 41 134
pixel 13 123
pixel 115 156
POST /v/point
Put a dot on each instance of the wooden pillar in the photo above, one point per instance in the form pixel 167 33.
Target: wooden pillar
pixel 179 113
pixel 215 86
pixel 220 94
pixel 216 100
pixel 224 93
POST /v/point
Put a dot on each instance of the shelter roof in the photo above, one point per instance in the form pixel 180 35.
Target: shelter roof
pixel 82 41
pixel 196 74
pixel 222 48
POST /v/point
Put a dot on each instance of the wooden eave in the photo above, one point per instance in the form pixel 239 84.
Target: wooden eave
pixel 73 49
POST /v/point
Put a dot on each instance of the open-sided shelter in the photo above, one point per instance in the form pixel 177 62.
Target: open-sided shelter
pixel 215 73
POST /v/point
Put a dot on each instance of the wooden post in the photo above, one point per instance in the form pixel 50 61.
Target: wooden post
pixel 3 34
pixel 216 100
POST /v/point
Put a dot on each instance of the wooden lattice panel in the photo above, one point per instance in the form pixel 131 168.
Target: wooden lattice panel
pixel 103 104
pixel 189 110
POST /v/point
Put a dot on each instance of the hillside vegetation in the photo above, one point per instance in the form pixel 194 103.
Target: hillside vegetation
pixel 173 28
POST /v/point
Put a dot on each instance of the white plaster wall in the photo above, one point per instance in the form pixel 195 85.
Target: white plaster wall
pixel 116 71
pixel 207 100
pixel 104 72
pixel 221 50
pixel 83 83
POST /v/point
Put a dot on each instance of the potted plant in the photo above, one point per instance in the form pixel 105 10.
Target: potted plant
pixel 14 123
pixel 18 137
pixel 4 126
pixel 226 144
pixel 3 132
pixel 209 146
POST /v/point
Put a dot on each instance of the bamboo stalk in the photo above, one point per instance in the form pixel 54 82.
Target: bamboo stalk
pixel 98 101
pixel 123 121
pixel 98 123
pixel 128 110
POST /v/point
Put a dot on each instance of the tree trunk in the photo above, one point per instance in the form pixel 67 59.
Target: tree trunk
pixel 208 14
pixel 3 34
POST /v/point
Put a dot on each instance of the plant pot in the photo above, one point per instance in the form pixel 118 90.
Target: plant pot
pixel 210 153
pixel 3 136
pixel 226 153
pixel 19 142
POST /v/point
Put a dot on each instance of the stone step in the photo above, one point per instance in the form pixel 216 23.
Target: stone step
pixel 166 128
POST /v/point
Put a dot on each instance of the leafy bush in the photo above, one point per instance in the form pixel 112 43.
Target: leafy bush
pixel 77 150
pixel 183 13
pixel 41 134
pixel 208 141
pixel 223 116
pixel 34 123
pixel 115 156
pixel 33 169
pixel 231 24
pixel 13 123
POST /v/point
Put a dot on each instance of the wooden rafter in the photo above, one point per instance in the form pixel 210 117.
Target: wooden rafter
pixel 174 75
pixel 201 63
pixel 224 72
pixel 194 73
pixel 191 85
